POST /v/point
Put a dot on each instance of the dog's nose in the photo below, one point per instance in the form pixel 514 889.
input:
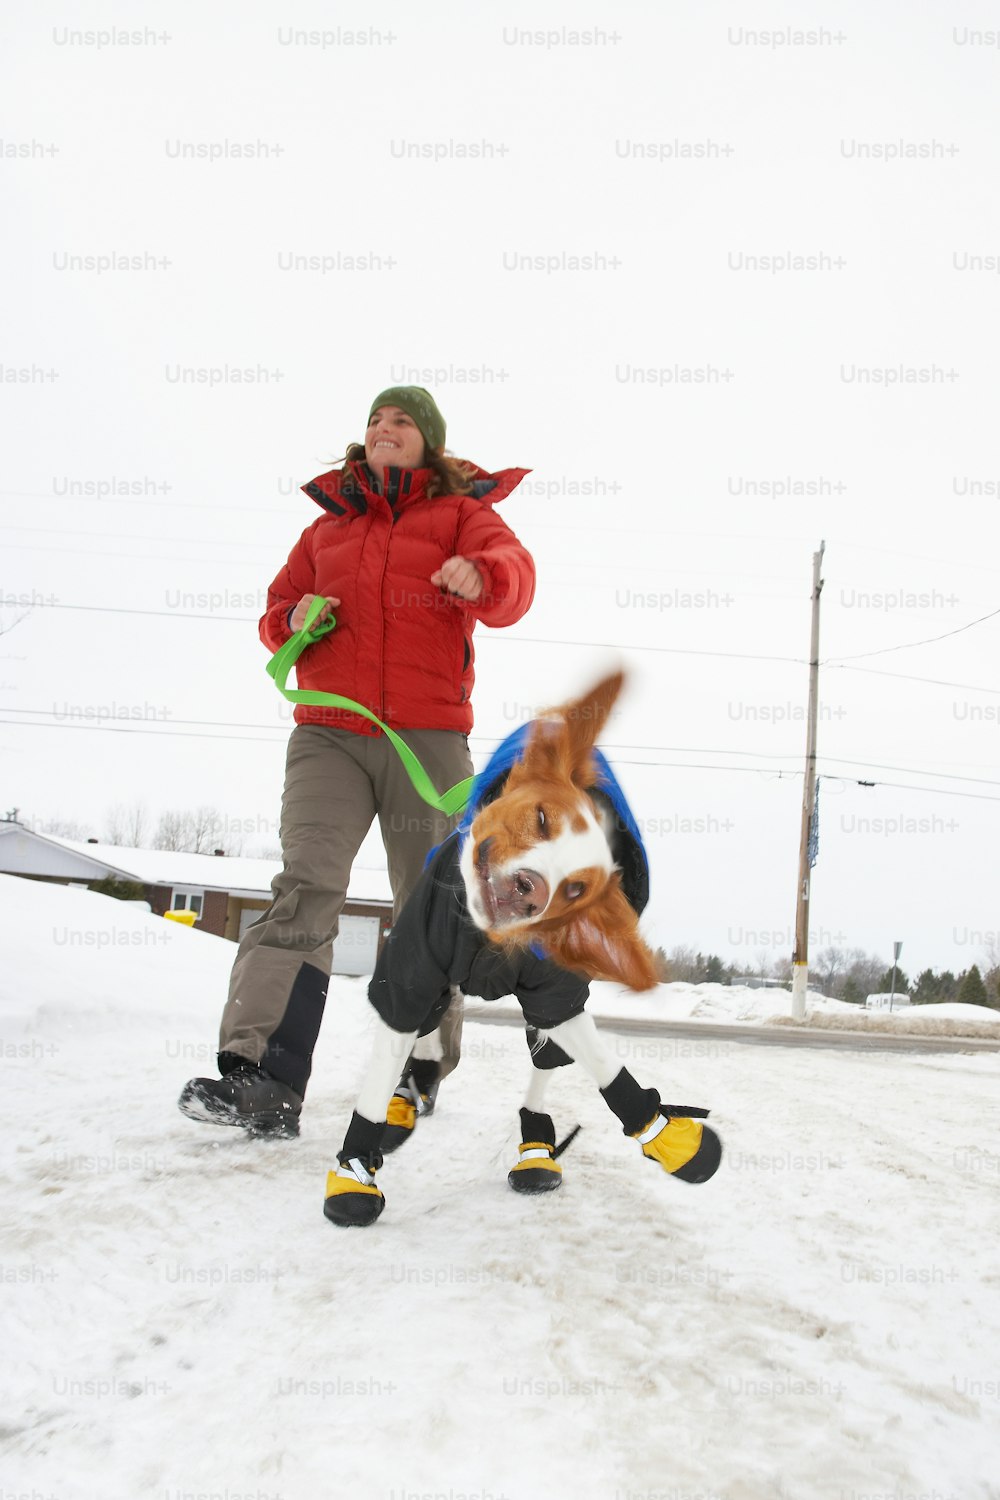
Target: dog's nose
pixel 529 893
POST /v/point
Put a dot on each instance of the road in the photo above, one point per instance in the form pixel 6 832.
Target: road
pixel 764 1036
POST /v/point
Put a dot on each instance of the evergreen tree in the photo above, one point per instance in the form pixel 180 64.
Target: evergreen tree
pixel 122 890
pixel 973 990
pixel 885 983
pixel 926 989
pixel 851 993
pixel 715 972
pixel 993 990
pixel 991 979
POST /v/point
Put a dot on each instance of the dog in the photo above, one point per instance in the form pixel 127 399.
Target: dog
pixel 538 891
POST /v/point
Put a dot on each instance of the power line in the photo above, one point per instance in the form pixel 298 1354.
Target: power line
pixel 487 634
pixel 167 614
pixel 129 727
pixel 129 536
pixel 841 760
pixel 607 745
pixel 781 773
pixel 902 786
pixel 222 562
pixel 950 562
pixel 665 650
pixel 969 687
pixel 201 723
pixel 910 645
pixel 161 733
pixel 134 500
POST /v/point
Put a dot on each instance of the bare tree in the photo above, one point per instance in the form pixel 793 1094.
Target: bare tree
pixel 198 830
pixel 233 841
pixel 127 826
pixel 866 969
pixel 58 828
pixel 265 851
pixel 171 831
pixel 662 966
pixel 65 828
pixel 829 965
pixel 204 825
pixel 683 965
pixel 137 828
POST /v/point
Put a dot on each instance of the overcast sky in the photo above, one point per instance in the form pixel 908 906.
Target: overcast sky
pixel 573 244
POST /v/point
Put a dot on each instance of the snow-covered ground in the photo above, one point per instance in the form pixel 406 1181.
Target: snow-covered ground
pixel 820 1322
pixel 729 1005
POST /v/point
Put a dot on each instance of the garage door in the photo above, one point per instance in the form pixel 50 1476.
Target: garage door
pixel 356 947
pixel 248 916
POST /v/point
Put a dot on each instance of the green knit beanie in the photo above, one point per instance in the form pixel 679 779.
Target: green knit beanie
pixel 418 404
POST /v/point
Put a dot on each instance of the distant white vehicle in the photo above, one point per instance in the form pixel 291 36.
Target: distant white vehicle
pixel 899 1001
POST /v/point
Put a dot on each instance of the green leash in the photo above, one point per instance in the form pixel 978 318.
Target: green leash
pixel 454 800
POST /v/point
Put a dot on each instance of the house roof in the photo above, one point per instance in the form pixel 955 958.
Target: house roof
pixel 42 854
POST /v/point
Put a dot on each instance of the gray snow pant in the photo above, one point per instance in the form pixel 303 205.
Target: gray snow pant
pixel 336 783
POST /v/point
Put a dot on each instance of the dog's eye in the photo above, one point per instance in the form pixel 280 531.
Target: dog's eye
pixel 543 826
pixel 574 889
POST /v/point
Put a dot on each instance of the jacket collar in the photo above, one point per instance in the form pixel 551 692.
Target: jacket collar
pixel 355 488
pixel 352 491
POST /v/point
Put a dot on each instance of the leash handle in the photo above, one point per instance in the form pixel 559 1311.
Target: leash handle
pixel 454 800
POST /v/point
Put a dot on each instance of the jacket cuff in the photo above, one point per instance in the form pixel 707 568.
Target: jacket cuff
pixel 496 587
pixel 275 626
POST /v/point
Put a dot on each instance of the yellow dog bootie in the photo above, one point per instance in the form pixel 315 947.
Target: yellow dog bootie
pixel 681 1144
pixel 353 1198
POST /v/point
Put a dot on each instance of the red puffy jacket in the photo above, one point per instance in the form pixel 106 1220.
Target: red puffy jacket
pixel 401 646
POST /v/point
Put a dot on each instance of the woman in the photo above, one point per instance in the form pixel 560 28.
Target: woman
pixel 409 555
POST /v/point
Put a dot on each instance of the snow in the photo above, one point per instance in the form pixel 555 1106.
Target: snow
pixel 819 1322
pixel 953 1011
pixel 976 1021
pixel 237 873
pixel 727 1005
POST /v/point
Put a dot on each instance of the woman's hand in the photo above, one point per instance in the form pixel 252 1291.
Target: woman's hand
pixel 301 609
pixel 461 577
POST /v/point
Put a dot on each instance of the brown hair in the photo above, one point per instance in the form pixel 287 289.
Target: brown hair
pixel 451 476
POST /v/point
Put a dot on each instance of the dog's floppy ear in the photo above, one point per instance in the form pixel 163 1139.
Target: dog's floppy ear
pixel 560 745
pixel 603 942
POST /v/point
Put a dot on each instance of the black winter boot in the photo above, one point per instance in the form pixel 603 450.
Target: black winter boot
pixel 246 1096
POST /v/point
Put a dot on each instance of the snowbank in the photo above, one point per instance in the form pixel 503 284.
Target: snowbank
pixel 730 1005
pixel 923 1020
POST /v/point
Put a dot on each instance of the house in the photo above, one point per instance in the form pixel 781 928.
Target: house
pixel 226 893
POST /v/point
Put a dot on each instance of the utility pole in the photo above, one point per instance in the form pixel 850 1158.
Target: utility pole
pixel 800 957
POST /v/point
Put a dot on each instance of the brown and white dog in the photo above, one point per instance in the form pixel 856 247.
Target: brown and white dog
pixel 538 891
pixel 538 864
